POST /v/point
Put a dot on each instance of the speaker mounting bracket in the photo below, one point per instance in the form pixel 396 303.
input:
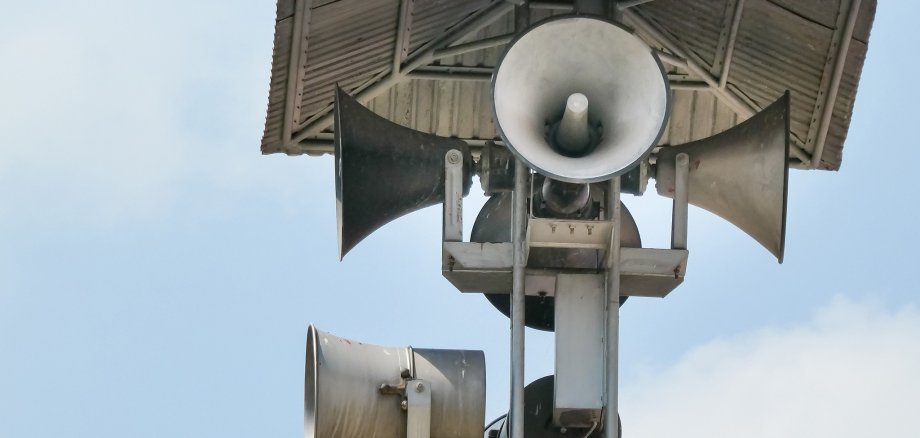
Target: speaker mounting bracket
pixel 418 409
pixel 487 267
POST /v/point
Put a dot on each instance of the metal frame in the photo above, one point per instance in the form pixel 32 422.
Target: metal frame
pixel 307 136
pixel 830 80
pixel 401 66
pixel 418 409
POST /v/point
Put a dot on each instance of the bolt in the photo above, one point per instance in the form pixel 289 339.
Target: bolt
pixel 453 157
pixel 563 430
pixel 404 405
pixel 419 387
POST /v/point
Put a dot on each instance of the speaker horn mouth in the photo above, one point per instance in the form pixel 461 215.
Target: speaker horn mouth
pixel 586 62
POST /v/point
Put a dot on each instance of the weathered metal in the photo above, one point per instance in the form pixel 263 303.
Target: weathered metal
pixel 740 175
pixel 356 390
pixel 383 170
pixel 779 45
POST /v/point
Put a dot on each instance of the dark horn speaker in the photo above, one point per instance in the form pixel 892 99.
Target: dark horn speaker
pixel 384 170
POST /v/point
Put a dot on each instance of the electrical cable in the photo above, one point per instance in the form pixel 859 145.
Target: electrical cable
pixel 494 421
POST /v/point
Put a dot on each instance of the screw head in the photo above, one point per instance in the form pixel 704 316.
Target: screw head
pixel 453 157
pixel 419 387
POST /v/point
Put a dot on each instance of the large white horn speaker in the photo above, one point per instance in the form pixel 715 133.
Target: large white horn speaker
pixel 353 389
pixel 580 99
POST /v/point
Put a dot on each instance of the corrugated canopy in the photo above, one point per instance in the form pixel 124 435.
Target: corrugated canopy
pixel 426 64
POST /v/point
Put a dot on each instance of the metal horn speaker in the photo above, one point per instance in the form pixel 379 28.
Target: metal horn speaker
pixel 356 390
pixel 384 170
pixel 740 174
pixel 580 99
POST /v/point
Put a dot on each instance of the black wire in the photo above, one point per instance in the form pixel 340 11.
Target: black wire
pixel 494 421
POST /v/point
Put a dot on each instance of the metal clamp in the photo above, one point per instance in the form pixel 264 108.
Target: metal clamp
pixel 453 196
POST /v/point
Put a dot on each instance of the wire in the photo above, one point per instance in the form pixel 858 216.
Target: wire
pixel 494 421
pixel 590 431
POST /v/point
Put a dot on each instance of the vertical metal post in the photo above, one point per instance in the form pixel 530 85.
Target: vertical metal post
pixel 518 224
pixel 679 208
pixel 730 45
pixel 518 233
pixel 452 228
pixel 418 409
pixel 612 333
pixel 843 49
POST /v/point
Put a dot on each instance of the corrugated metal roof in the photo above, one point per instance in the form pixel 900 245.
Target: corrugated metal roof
pixel 781 44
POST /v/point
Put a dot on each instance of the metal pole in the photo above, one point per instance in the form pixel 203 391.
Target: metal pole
pixel 484 43
pixel 612 332
pixel 518 234
pixel 839 63
pixel 725 95
pixel 518 224
pixel 679 208
pixel 730 46
pixel 624 5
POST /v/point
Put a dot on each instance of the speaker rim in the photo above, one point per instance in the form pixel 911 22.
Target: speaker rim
pixel 625 169
pixel 786 100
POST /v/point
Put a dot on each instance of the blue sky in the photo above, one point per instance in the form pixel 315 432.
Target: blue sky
pixel 157 274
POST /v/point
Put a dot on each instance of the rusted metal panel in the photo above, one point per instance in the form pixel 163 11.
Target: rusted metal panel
pixel 779 50
pixel 781 44
pixel 349 42
pixel 843 107
pixel 697 24
pixel 272 139
pixel 430 18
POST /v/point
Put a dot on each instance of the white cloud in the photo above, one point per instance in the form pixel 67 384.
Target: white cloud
pixel 852 371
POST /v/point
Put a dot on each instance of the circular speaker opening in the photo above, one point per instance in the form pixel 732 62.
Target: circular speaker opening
pixel 624 86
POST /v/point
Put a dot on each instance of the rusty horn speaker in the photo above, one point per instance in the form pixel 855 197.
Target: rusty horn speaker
pixel 384 170
pixel 357 390
pixel 740 174
pixel 580 99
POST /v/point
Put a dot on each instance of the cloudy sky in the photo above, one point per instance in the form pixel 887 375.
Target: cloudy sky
pixel 157 274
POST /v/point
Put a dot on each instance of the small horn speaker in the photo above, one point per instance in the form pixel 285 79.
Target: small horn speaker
pixel 346 381
pixel 740 174
pixel 580 99
pixel 384 170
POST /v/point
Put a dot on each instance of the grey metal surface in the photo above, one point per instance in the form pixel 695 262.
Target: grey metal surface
pixel 579 350
pixel 612 294
pixel 384 170
pixel 493 225
pixel 519 258
pixel 418 409
pixel 780 44
pixel 679 208
pixel 624 82
pixel 344 396
pixel 740 175
pixel 538 395
pixel 453 196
